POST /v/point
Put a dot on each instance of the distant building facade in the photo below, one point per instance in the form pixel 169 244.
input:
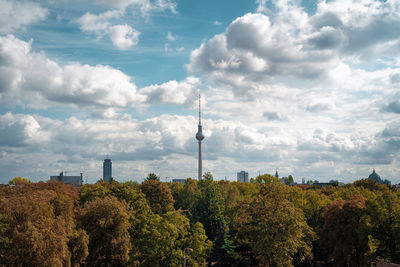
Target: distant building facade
pixel 243 177
pixel 72 180
pixel 182 181
pixel 107 170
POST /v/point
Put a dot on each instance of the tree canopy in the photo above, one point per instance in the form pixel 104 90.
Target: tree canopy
pixel 222 223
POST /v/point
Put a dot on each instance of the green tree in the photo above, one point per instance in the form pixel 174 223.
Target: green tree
pixel 222 253
pixel 384 211
pixel 266 179
pixel 229 192
pixel 161 239
pixel 19 181
pixel 208 176
pixel 158 195
pixel 107 222
pixel 290 179
pixel 271 228
pixel 246 190
pixel 209 206
pixel 186 197
pixel 152 176
pixel 90 192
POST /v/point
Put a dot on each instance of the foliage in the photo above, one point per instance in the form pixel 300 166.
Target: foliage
pixel 152 177
pixel 384 212
pixel 261 223
pixel 185 197
pixel 78 246
pixel 208 207
pixel 39 220
pixel 272 228
pixel 345 233
pixel 90 192
pixel 266 179
pixel 19 180
pixel 107 222
pixel 222 253
pixel 208 176
pixel 160 240
pixel 158 195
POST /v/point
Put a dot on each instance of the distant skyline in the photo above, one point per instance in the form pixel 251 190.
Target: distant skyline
pixel 308 87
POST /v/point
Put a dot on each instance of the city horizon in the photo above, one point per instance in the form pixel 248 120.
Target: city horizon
pixel 308 87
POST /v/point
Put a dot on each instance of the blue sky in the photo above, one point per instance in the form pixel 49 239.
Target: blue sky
pixel 308 87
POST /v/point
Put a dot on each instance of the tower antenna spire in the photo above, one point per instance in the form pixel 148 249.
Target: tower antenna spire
pixel 200 137
pixel 199 110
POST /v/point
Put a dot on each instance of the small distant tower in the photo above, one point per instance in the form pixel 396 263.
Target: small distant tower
pixel 276 173
pixel 107 170
pixel 200 137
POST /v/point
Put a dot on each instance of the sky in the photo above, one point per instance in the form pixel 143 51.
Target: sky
pixel 310 88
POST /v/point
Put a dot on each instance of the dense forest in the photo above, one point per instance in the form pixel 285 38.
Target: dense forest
pixel 217 223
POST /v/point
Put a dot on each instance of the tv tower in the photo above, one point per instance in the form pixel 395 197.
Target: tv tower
pixel 200 137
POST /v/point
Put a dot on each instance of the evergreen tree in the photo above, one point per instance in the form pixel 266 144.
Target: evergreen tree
pixel 223 248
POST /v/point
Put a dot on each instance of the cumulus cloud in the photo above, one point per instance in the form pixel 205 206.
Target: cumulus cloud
pixel 30 78
pixel 254 45
pixel 172 92
pixel 16 14
pixel 356 148
pixel 140 146
pixel 77 142
pixel 97 23
pixel 18 130
pixel 123 36
pixel 290 42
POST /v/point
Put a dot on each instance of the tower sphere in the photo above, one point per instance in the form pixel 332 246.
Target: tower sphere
pixel 199 135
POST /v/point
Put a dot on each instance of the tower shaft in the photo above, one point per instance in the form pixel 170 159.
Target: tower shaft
pixel 200 163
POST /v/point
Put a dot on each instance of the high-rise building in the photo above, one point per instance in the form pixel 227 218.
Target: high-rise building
pixel 200 137
pixel 107 170
pixel 243 177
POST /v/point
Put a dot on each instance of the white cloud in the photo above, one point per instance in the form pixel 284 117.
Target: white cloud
pixel 16 14
pixel 172 92
pixel 166 145
pixel 292 43
pixel 123 36
pixel 29 78
pixel 98 23
pixel 18 130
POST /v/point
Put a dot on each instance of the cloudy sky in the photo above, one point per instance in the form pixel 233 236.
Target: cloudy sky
pixel 308 87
